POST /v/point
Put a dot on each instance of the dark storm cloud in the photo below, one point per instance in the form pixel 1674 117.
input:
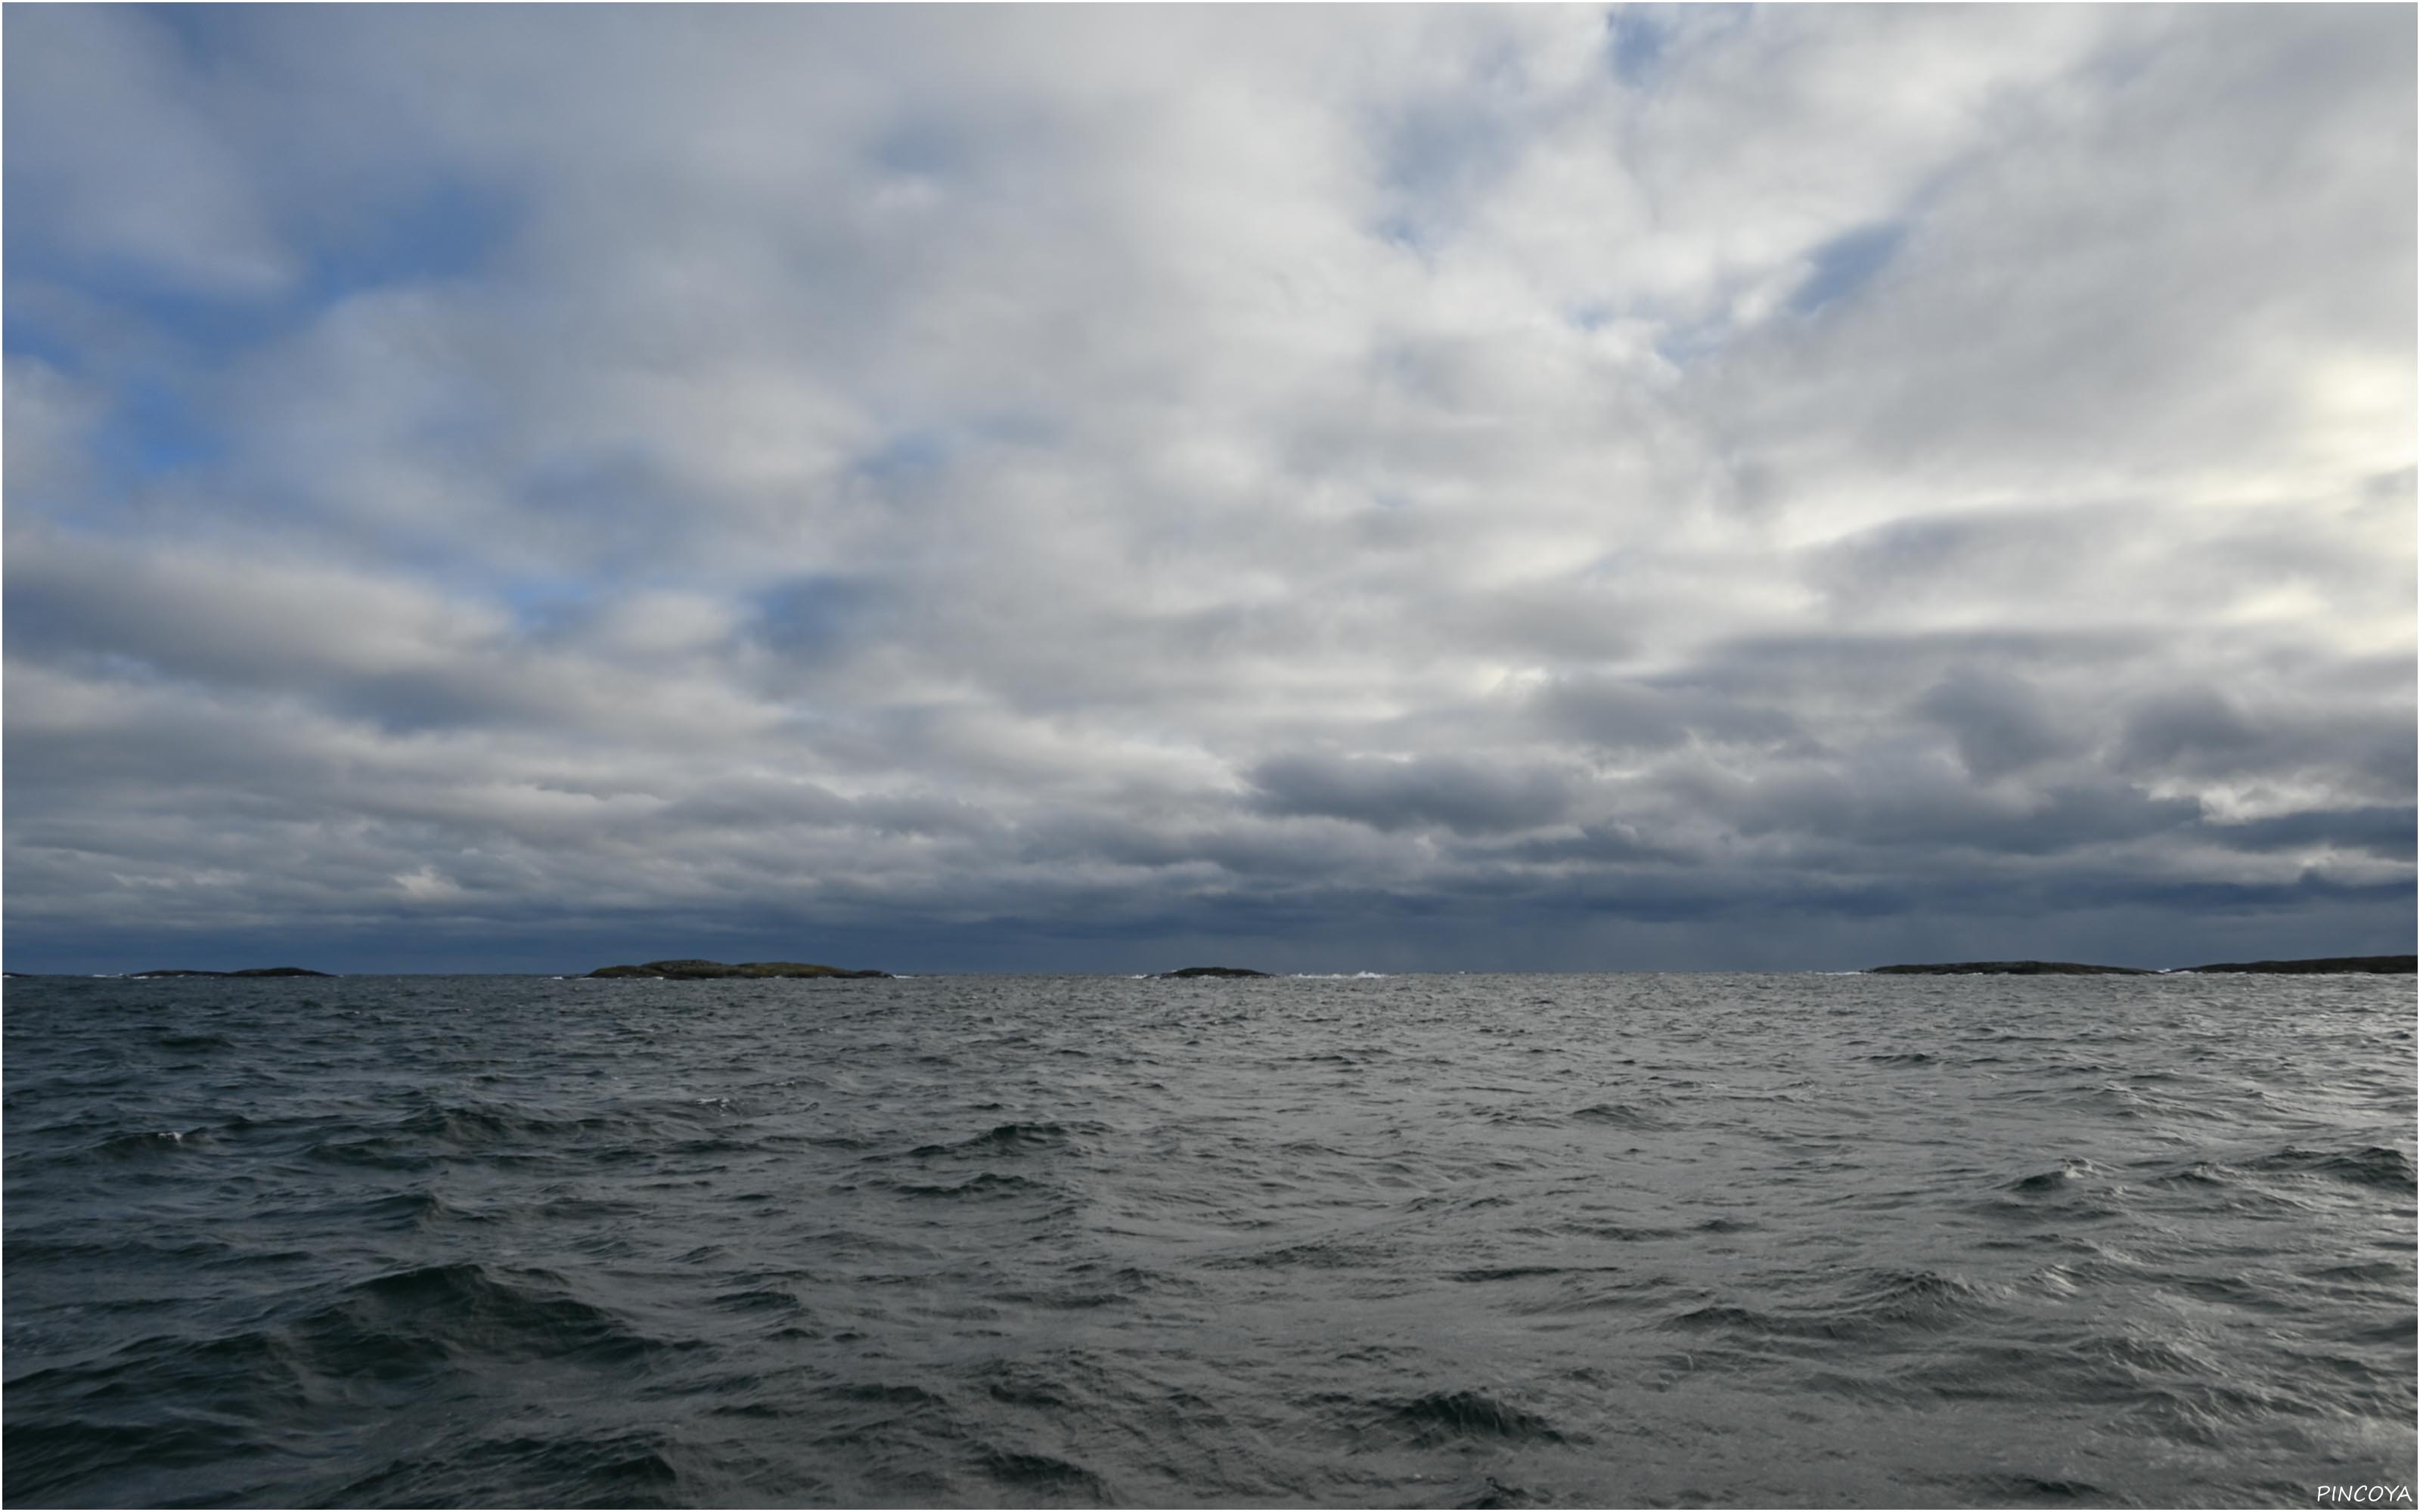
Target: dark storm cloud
pixel 1464 796
pixel 1903 804
pixel 2383 832
pixel 2001 723
pixel 2204 733
pixel 1591 845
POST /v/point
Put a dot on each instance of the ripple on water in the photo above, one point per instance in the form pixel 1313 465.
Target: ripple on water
pixel 1407 1241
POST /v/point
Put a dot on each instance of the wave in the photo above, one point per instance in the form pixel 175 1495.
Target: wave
pixel 503 1131
pixel 610 1470
pixel 1917 1298
pixel 192 1042
pixel 1007 1139
pixel 2378 1166
pixel 1618 1116
pixel 1469 1414
pixel 2066 1173
pixel 1046 1473
pixel 384 1342
pixel 988 1184
pixel 1874 1305
pixel 1318 1255
pixel 2011 1490
pixel 503 1243
pixel 1626 1233
pixel 49 1452
pixel 437 1315
pixel 136 1145
pixel 1509 1272
pixel 417 1209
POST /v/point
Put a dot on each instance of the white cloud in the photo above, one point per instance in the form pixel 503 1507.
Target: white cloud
pixel 1129 473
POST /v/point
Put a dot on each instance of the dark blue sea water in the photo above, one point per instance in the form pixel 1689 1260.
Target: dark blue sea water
pixel 1415 1241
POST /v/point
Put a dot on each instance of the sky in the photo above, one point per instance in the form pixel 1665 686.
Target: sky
pixel 1114 488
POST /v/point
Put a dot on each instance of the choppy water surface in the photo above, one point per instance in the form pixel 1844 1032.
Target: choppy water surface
pixel 1420 1240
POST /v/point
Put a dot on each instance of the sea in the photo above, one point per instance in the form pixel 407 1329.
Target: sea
pixel 1409 1241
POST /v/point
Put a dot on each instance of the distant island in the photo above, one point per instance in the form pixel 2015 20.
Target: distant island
pixel 716 970
pixel 2375 965
pixel 249 971
pixel 2318 966
pixel 697 970
pixel 2008 968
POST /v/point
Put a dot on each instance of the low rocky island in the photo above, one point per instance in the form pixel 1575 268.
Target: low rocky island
pixel 1206 971
pixel 717 971
pixel 2008 968
pixel 2326 965
pixel 248 971
pixel 2380 966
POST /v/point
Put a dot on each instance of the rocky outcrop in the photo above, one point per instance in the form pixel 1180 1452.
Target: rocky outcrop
pixel 2374 965
pixel 248 971
pixel 2008 968
pixel 716 970
pixel 1206 971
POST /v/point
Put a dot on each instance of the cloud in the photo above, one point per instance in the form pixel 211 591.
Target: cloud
pixel 121 163
pixel 2000 722
pixel 1611 713
pixel 2384 832
pixel 1462 797
pixel 1498 485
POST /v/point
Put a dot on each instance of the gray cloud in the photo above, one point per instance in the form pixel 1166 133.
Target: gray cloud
pixel 2001 723
pixel 1464 796
pixel 2384 832
pixel 1486 486
pixel 1618 715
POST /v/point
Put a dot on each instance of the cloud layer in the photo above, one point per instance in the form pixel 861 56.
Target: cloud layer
pixel 1043 490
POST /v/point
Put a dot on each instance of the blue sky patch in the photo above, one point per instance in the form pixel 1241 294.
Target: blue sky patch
pixel 908 454
pixel 448 229
pixel 153 431
pixel 817 614
pixel 921 147
pixel 1848 263
pixel 1682 344
pixel 1635 42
